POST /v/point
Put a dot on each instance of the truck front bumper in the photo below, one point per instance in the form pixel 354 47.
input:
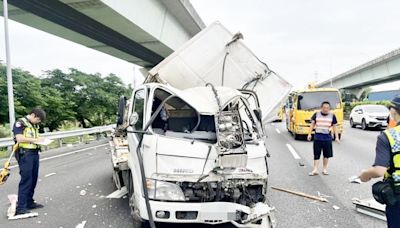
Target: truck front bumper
pixel 213 213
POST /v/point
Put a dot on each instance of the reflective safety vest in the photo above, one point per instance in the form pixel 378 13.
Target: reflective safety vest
pixel 30 131
pixel 393 172
pixel 392 123
pixel 323 123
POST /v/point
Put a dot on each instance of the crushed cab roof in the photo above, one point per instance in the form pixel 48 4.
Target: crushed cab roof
pixel 204 100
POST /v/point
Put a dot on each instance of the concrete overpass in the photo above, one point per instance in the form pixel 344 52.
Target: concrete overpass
pixel 138 31
pixel 383 69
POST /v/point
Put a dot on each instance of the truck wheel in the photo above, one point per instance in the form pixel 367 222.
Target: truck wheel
pixel 138 222
pixel 296 136
pixel 352 123
pixel 364 125
pixel 128 182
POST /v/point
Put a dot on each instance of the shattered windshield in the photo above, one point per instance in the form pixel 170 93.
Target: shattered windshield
pixel 178 119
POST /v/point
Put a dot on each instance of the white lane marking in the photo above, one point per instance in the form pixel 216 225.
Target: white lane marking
pixel 66 154
pixel 293 151
pixel 277 130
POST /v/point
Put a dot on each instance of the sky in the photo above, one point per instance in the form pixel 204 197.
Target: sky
pixel 303 41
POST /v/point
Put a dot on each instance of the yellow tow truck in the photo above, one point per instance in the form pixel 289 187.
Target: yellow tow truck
pixel 302 104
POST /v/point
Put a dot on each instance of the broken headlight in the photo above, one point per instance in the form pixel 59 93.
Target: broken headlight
pixel 231 146
pixel 229 130
pixel 161 190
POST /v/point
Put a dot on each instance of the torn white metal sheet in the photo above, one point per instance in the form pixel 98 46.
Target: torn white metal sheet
pixel 215 56
pixel 371 208
pixel 118 193
pixel 81 225
pixel 355 180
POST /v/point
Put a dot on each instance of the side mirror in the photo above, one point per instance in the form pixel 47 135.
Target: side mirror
pixel 121 110
pixel 133 119
pixel 258 114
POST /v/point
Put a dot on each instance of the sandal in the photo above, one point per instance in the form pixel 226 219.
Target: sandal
pixel 313 174
pixel 325 173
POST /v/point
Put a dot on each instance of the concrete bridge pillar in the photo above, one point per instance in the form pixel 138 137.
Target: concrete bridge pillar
pixel 356 92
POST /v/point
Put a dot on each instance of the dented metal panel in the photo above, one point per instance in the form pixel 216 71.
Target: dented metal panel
pixel 218 57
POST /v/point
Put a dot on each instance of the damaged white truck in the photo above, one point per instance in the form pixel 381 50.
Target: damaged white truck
pixel 189 146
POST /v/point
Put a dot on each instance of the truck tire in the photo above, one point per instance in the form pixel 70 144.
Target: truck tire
pixel 128 182
pixel 138 222
pixel 296 136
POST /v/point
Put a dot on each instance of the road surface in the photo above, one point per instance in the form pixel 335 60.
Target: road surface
pixel 88 168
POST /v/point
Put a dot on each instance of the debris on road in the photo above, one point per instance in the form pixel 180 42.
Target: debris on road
pixel 355 179
pixel 370 207
pixel 94 206
pixel 301 194
pixel 118 193
pixel 336 207
pixel 11 210
pixel 81 225
pixel 50 174
pixel 323 195
pixel 82 192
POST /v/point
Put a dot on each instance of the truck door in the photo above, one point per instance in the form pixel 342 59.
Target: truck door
pixel 288 112
pixel 293 113
pixel 136 122
pixel 252 98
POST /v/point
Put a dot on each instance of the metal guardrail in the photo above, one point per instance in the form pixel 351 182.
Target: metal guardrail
pixel 6 142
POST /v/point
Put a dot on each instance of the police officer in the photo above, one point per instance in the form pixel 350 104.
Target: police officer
pixel 26 135
pixel 387 165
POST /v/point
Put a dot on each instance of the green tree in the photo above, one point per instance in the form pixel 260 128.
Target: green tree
pixel 27 93
pixel 57 108
pixel 94 98
pixel 65 96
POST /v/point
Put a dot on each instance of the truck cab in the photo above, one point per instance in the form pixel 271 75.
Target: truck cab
pixel 302 104
pixel 204 162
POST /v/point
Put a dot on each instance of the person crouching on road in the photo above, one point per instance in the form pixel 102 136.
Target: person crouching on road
pixel 322 121
pixel 26 135
pixel 387 165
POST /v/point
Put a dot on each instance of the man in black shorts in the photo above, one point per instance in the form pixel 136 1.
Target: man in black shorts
pixel 323 121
